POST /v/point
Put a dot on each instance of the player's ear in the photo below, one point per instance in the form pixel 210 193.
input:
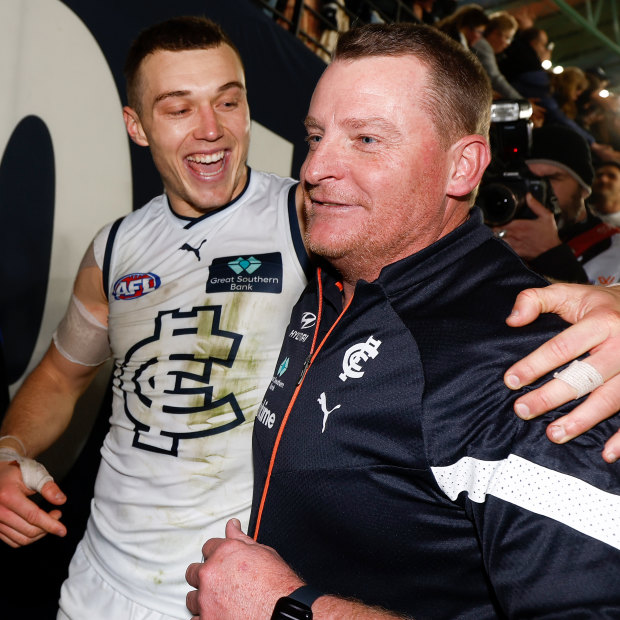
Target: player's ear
pixel 470 157
pixel 134 126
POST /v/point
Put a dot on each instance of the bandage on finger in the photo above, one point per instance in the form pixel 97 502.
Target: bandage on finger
pixel 34 475
pixel 581 376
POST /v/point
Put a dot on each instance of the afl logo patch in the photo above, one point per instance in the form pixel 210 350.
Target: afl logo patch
pixel 135 285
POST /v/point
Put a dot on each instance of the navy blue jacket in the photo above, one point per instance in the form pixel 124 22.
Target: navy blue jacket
pixel 393 468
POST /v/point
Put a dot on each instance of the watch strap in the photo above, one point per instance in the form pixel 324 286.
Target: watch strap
pixel 305 595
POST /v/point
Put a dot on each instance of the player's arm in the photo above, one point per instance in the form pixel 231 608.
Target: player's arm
pixel 42 409
pixel 595 312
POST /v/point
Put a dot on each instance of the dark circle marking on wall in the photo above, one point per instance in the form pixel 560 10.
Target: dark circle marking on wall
pixel 27 185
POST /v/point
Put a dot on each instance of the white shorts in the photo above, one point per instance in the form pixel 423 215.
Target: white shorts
pixel 84 594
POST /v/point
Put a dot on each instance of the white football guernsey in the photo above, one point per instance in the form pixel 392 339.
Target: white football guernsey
pixel 197 312
pixel 604 268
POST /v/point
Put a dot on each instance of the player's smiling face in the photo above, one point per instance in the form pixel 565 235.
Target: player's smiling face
pixel 195 118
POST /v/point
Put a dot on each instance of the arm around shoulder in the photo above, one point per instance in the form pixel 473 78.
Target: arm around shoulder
pixel 595 312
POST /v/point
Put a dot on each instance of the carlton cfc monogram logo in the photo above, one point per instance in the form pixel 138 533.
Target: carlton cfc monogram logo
pixel 171 380
pixel 351 364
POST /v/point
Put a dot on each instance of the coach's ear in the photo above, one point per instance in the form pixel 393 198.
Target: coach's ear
pixel 470 157
pixel 134 126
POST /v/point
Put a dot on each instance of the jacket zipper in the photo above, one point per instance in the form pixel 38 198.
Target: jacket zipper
pixel 304 371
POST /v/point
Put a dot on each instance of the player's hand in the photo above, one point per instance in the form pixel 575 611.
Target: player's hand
pixel 595 312
pixel 531 238
pixel 239 578
pixel 22 522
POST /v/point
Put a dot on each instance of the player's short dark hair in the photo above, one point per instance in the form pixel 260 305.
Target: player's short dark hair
pixel 175 35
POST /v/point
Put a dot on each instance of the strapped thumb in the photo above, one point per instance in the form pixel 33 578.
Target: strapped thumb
pixel 34 474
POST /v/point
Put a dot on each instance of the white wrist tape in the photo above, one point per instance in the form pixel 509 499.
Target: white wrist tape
pixel 33 473
pixel 16 440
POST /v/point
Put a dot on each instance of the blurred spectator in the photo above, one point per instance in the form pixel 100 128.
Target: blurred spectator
pixel 381 11
pixel 336 22
pixel 599 112
pixel 590 108
pixel 522 66
pixel 329 12
pixel 498 35
pixel 522 62
pixel 611 109
pixel 426 11
pixel 466 25
pixel 567 88
pixel 605 199
pixel 525 16
pixel 577 247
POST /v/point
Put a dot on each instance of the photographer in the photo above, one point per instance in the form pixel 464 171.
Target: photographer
pixel 561 248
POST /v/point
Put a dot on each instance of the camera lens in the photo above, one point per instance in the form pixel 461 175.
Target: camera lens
pixel 498 204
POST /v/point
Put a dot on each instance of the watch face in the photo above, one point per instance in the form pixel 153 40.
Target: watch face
pixel 290 609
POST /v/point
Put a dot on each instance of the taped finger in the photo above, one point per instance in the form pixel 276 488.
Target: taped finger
pixel 561 349
pixel 34 475
pixel 581 376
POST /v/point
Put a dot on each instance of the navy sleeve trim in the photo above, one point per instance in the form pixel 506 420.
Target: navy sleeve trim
pixel 107 257
pixel 298 243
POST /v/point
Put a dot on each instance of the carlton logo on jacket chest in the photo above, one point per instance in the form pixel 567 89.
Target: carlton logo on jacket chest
pixel 355 355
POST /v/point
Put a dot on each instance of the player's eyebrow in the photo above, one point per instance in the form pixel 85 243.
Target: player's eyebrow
pixel 184 93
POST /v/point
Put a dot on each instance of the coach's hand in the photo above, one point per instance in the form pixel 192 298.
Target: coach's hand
pixel 239 578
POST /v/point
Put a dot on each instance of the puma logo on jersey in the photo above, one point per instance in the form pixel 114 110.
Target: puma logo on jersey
pixel 322 400
pixel 189 248
pixel 355 355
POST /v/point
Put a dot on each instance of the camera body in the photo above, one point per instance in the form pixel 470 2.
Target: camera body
pixel 507 180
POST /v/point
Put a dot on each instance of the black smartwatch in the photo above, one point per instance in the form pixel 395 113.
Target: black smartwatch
pixel 297 605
